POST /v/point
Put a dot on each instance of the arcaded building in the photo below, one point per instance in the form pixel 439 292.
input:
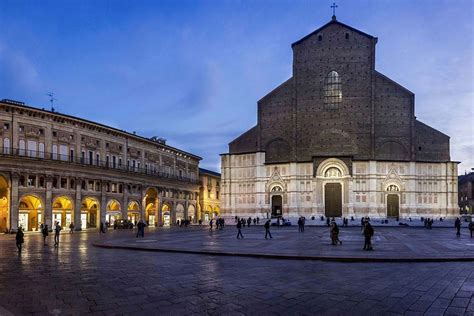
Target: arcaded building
pixel 56 167
pixel 339 139
pixel 209 194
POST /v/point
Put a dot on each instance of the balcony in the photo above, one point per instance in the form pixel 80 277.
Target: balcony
pixel 6 152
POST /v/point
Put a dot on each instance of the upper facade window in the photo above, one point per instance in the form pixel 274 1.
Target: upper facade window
pixel 332 90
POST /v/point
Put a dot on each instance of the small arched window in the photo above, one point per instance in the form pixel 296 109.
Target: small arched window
pixel 320 38
pixel 332 90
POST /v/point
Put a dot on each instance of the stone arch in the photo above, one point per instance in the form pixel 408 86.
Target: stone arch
pixel 90 213
pixel 327 164
pixel 277 150
pixel 333 140
pixel 31 212
pixel 392 150
pixel 191 213
pixel 133 211
pixel 166 213
pixel 63 210
pixel 113 211
pixel 179 212
pixel 4 204
pixel 150 204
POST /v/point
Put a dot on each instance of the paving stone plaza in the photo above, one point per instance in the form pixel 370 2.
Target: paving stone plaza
pixel 79 278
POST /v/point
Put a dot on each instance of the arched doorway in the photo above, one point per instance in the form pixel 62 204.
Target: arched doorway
pixel 133 212
pixel 393 201
pixel 191 213
pixel 277 205
pixel 4 205
pixel 208 213
pixel 179 212
pixel 333 200
pixel 31 212
pixel 333 193
pixel 114 211
pixel 166 214
pixel 90 213
pixel 63 211
pixel 150 201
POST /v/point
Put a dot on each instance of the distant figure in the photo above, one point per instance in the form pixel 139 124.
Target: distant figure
pixel 471 227
pixel 57 230
pixel 328 221
pixel 178 223
pixel 278 222
pixel 254 221
pixel 303 222
pixel 19 238
pixel 300 229
pixel 368 233
pixel 71 228
pixel 334 231
pixel 457 225
pixel 211 222
pixel 101 228
pixel 239 230
pixel 45 232
pixel 249 221
pixel 258 220
pixel 200 222
pixel 267 229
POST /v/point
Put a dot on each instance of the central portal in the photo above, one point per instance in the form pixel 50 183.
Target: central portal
pixel 393 205
pixel 277 205
pixel 333 199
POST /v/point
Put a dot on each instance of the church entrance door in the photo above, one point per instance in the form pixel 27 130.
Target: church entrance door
pixel 333 199
pixel 393 207
pixel 277 205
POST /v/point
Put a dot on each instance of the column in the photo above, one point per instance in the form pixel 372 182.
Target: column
pixel 186 205
pixel 124 201
pixel 158 212
pixel 103 203
pixel 372 196
pixel 173 211
pixel 14 202
pixel 78 205
pixel 48 207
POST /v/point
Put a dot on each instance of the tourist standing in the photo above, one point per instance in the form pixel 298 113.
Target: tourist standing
pixel 299 225
pixel 303 222
pixel 45 233
pixel 239 230
pixel 457 225
pixel 249 221
pixel 19 238
pixel 258 220
pixel 267 229
pixel 57 230
pixel 368 233
pixel 71 228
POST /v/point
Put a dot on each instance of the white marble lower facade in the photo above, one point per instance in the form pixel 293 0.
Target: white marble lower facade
pixel 378 189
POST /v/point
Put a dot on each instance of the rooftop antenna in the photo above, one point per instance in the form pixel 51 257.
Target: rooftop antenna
pixel 51 100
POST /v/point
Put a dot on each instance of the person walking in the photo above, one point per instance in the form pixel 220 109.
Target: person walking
pixel 335 233
pixel 471 227
pixel 249 221
pixel 57 230
pixel 19 238
pixel 45 232
pixel 71 228
pixel 368 233
pixel 457 225
pixel 303 222
pixel 267 229
pixel 211 222
pixel 258 220
pixel 101 228
pixel 239 230
pixel 299 225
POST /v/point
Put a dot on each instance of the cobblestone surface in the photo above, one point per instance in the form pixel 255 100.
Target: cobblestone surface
pixel 78 279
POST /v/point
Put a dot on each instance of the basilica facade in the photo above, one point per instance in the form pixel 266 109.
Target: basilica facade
pixel 339 139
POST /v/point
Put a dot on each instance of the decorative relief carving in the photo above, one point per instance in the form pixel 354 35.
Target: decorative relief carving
pixel 181 164
pixel 64 137
pixel 167 161
pixel 133 152
pixel 153 157
pixel 32 131
pixel 90 142
pixel 115 148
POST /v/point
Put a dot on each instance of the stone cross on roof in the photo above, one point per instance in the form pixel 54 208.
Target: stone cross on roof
pixel 334 6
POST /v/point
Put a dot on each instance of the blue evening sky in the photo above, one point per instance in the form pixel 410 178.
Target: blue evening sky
pixel 192 71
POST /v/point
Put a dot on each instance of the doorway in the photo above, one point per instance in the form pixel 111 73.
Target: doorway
pixel 333 199
pixel 277 206
pixel 393 205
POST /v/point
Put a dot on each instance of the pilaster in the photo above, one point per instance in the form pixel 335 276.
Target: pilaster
pixel 14 202
pixel 78 205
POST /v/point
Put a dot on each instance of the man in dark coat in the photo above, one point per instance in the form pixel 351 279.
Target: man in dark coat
pixel 19 238
pixel 239 231
pixel 457 224
pixel 45 233
pixel 267 229
pixel 368 233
